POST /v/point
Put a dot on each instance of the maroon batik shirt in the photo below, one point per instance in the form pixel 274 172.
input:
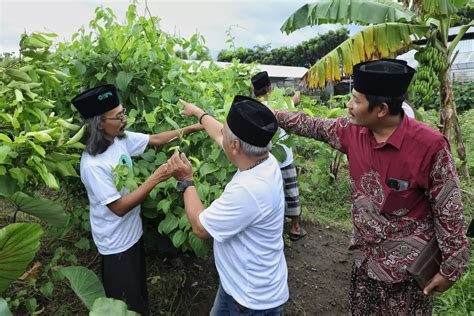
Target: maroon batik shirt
pixel 391 227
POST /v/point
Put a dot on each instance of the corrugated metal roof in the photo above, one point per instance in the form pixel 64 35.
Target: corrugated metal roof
pixel 273 70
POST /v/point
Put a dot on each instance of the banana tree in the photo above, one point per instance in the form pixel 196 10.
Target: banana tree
pixel 391 28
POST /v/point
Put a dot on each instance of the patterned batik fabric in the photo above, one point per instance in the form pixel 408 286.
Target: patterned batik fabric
pixel 292 193
pixel 391 227
pixel 371 297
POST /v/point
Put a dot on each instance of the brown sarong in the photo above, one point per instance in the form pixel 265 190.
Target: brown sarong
pixel 371 297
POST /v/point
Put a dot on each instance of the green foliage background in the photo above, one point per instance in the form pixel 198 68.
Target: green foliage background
pixel 304 54
pixel 40 132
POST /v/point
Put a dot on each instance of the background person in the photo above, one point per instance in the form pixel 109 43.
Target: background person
pixel 262 88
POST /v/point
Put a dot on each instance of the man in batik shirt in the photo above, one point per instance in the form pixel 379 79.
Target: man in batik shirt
pixel 404 191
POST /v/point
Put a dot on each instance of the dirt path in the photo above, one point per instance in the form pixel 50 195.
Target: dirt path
pixel 318 275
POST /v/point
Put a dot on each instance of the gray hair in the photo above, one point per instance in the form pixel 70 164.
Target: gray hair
pixel 247 149
pixel 94 137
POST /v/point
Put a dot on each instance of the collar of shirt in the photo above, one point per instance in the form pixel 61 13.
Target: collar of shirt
pixel 395 139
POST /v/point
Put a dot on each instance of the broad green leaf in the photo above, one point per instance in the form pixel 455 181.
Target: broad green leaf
pixel 48 178
pixel 168 224
pixel 31 304
pixel 47 289
pixel 198 245
pixel 35 40
pixel 19 244
pixel 7 186
pixel 47 210
pixel 179 237
pixel 104 306
pixel 203 190
pixel 172 74
pixel 84 283
pixel 61 75
pixel 123 79
pixel 183 222
pixel 41 136
pixel 160 158
pixel 4 151
pixel 164 205
pixel 362 12
pixel 80 68
pixel 83 244
pixel 279 152
pixel 4 310
pixel 18 75
pixel 65 169
pixel 67 125
pixel 171 122
pixel 149 155
pixel 207 168
pixel 78 136
pixel 154 94
pixel 168 94
pixel 439 7
pixel 18 95
pixel 40 150
pixel 373 41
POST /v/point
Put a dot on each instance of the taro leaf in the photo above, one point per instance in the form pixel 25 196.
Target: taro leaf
pixel 19 244
pixel 104 306
pixel 44 209
pixel 4 310
pixel 7 186
pixel 84 283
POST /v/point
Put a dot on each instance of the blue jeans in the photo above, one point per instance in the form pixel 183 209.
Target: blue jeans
pixel 224 304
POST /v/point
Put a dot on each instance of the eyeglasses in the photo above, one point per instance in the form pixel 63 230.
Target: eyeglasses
pixel 120 117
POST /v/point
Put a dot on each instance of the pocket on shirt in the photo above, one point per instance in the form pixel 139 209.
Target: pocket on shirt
pixel 398 203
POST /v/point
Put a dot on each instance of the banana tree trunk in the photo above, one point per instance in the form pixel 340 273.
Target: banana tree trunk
pixel 449 119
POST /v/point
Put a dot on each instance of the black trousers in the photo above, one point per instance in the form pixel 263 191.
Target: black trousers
pixel 124 277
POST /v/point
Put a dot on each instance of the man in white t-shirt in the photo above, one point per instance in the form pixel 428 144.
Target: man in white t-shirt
pixel 262 88
pixel 246 221
pixel 115 215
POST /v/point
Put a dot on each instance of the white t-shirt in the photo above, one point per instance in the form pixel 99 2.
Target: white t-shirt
pixel 282 136
pixel 408 110
pixel 246 222
pixel 289 153
pixel 111 233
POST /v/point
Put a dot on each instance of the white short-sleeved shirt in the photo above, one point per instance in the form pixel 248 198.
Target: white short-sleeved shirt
pixel 408 110
pixel 246 222
pixel 111 233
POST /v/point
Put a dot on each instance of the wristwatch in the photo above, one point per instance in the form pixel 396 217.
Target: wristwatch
pixel 183 185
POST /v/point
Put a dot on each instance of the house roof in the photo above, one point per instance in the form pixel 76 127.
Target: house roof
pixel 274 71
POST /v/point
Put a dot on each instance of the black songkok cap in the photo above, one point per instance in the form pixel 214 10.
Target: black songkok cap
pixel 384 77
pixel 96 101
pixel 251 121
pixel 260 80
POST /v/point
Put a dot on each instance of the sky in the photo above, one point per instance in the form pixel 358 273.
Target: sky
pixel 251 22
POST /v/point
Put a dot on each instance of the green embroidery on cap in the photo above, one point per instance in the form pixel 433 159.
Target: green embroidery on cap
pixel 104 95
